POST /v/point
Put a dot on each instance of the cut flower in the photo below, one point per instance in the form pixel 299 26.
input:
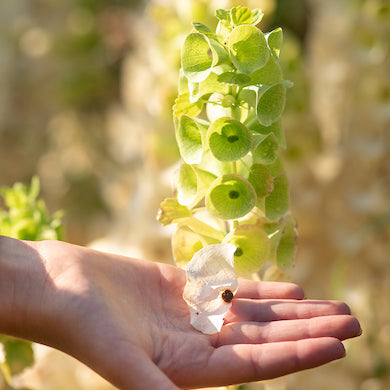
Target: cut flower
pixel 210 273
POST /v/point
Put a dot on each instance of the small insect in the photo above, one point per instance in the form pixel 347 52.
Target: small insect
pixel 227 296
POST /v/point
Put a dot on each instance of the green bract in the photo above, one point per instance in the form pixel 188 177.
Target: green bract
pixel 266 149
pixel 274 40
pixel 229 139
pixel 248 49
pixel 270 103
pixel 171 211
pixel 261 179
pixel 276 204
pixel 192 184
pixel 230 197
pixel 253 247
pixel 189 139
pixel 231 186
pixel 287 245
pixel 184 245
pixel 197 57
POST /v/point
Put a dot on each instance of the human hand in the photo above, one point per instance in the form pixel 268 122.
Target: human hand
pixel 127 320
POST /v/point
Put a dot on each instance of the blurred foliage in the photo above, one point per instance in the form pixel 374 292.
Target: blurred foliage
pixel 60 71
pixel 25 217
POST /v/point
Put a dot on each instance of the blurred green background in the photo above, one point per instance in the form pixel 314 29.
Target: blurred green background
pixel 86 90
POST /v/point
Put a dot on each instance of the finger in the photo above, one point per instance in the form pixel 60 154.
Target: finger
pixel 341 327
pixel 268 290
pixel 247 363
pixel 274 310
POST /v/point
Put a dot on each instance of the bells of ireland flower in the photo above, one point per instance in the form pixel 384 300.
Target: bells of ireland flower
pixel 230 197
pixel 229 139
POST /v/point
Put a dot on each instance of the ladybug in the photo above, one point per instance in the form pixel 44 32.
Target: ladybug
pixel 227 296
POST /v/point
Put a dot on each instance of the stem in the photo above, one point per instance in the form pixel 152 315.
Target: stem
pixel 250 120
pixel 196 209
pixel 234 167
pixel 233 89
pixel 245 165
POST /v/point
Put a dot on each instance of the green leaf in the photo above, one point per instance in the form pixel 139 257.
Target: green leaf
pixel 270 103
pixel 261 179
pixel 275 39
pixel 276 203
pixel 229 139
pixel 230 197
pixel 287 245
pixel 196 57
pixel 183 106
pixel 241 15
pixel 234 78
pixel 189 139
pixel 252 248
pixel 266 151
pixel 201 28
pixel 257 16
pixel 171 211
pixel 248 49
pixel 223 14
pixel 18 354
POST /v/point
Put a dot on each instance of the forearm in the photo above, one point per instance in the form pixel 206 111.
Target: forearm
pixel 22 279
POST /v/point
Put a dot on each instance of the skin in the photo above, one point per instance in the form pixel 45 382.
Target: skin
pixel 126 319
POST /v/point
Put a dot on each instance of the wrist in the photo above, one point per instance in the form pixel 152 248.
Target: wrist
pixel 21 274
pixel 25 311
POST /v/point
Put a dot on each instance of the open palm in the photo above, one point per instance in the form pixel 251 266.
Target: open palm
pixel 127 320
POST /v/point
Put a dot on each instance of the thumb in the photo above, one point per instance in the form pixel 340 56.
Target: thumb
pixel 142 374
pixel 150 376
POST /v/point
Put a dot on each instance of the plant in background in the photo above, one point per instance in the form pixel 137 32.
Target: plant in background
pixel 27 218
pixel 231 187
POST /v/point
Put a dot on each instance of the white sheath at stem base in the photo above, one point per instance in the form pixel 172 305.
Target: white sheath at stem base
pixel 209 274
